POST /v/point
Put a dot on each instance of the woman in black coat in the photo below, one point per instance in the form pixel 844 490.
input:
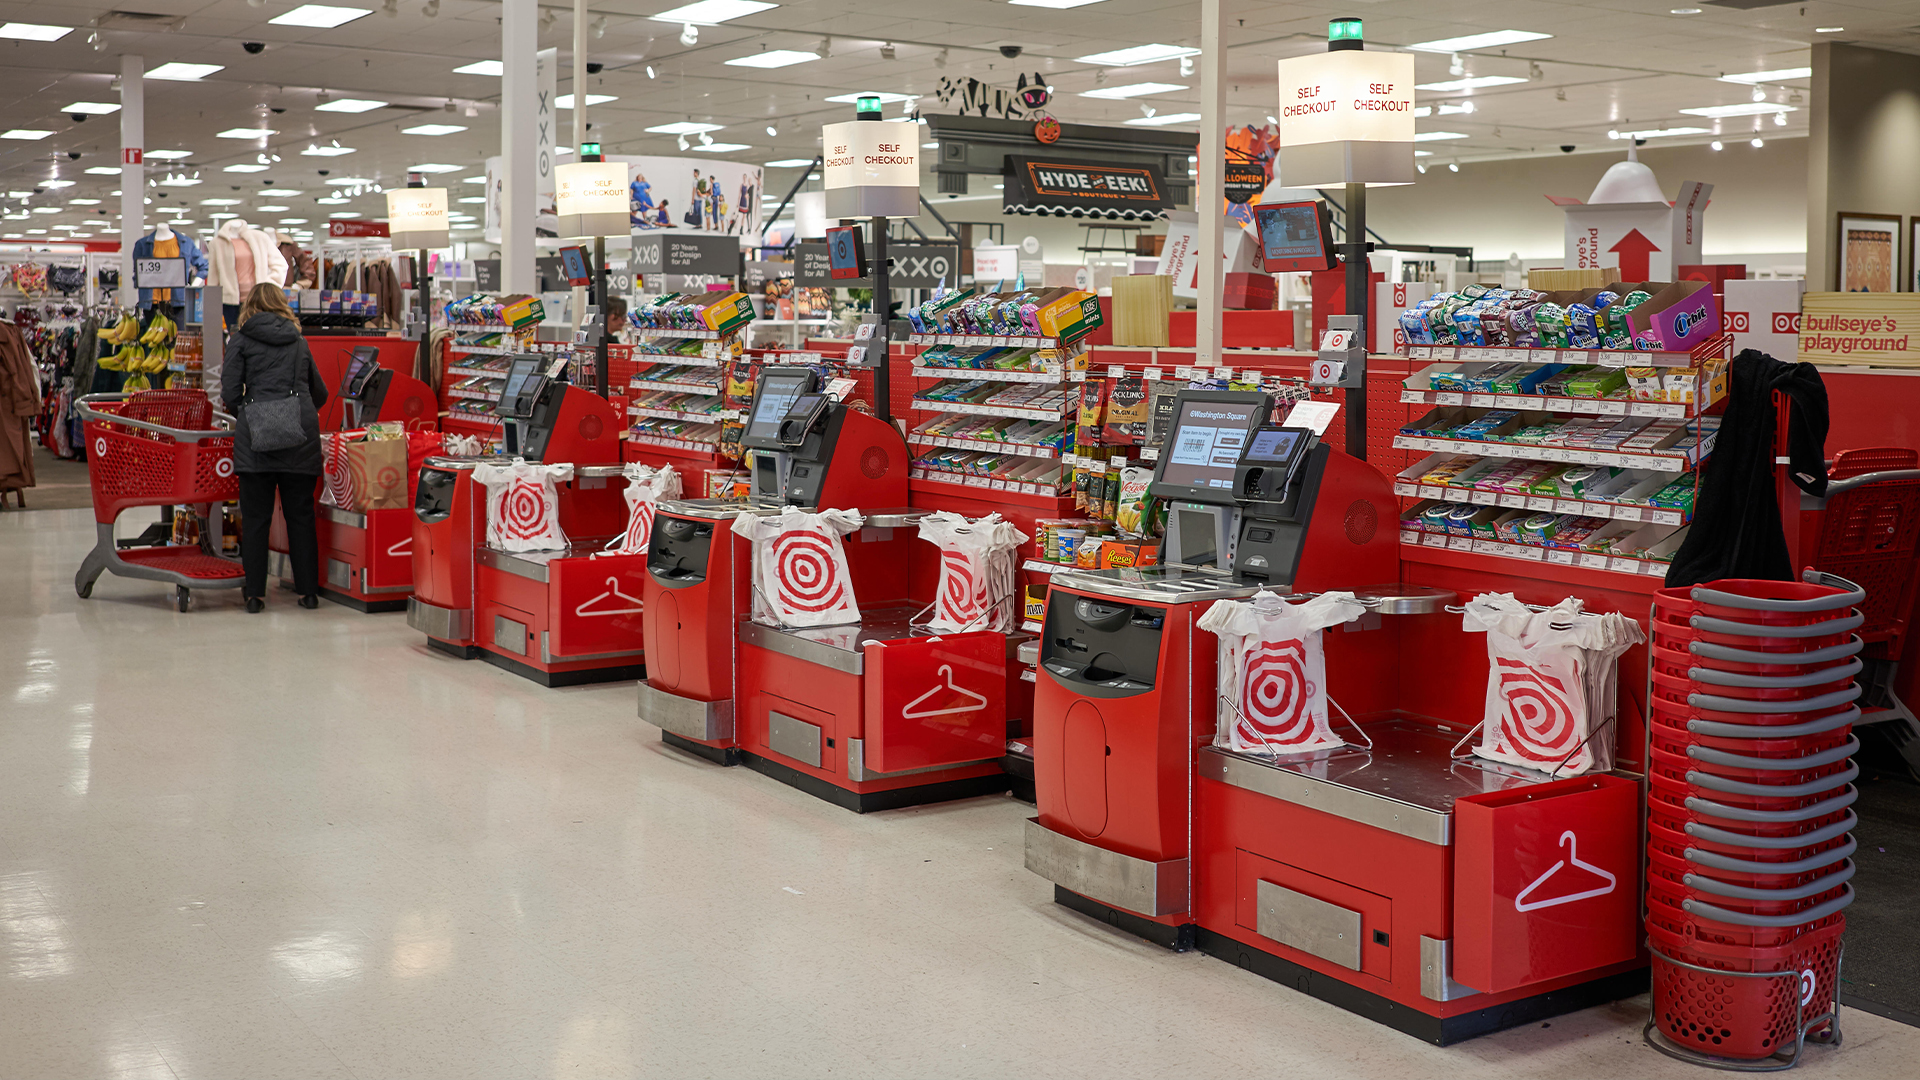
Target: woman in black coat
pixel 268 359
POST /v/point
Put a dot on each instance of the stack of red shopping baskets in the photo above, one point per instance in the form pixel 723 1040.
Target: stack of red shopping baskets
pixel 1750 788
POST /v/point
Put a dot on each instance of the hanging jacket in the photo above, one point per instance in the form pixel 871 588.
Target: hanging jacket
pixel 19 402
pixel 197 265
pixel 267 358
pixel 1736 531
pixel 300 266
pixel 268 266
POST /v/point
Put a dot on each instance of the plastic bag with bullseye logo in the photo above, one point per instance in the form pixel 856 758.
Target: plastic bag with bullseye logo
pixel 1550 688
pixel 800 575
pixel 646 486
pixel 977 563
pixel 1273 671
pixel 523 505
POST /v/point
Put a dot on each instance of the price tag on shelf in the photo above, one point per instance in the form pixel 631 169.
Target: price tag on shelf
pixel 1484 498
pixel 1612 408
pixel 1185 373
pixel 1116 371
pixel 1532 401
pixel 1529 552
pixel 1629 513
pixel 1409 537
pixel 1607 358
pixel 1544 356
pixel 1156 373
pixel 1540 504
pixel 999 484
pixel 1403 487
pixel 1625 564
pixel 1594 560
pixel 1512 501
pixel 1569 506
pixel 1487 547
pixel 1449 397
pixel 1561 556
pixel 1480 401
pixel 1432 491
pixel 1666 517
pixel 1459 542
pixel 1433 539
pixel 1507 401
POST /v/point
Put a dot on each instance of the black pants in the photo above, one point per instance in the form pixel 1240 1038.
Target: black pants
pixel 296 492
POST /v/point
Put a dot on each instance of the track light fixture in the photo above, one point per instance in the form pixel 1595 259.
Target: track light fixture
pixel 940 59
pixel 1186 65
pixel 682 140
pixel 1533 71
pixel 825 48
pixel 887 51
pixel 597 27
pixel 1456 67
pixel 689 34
pixel 649 71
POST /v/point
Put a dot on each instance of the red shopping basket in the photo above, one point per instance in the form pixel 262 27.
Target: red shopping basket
pixel 1835 629
pixel 1674 732
pixel 1748 1003
pixel 1810 683
pixel 1674 809
pixel 1718 871
pixel 1687 655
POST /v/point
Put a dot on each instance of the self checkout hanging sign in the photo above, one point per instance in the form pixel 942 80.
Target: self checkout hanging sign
pixel 1346 117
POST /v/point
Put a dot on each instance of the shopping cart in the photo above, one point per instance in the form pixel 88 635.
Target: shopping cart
pixel 158 448
pixel 1867 529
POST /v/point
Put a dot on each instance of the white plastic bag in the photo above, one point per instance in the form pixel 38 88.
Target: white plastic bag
pixel 1273 671
pixel 1550 690
pixel 464 446
pixel 646 486
pixel 977 563
pixel 523 505
pixel 800 575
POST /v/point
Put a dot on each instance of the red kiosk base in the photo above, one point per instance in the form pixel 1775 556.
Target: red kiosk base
pixel 366 560
pixel 871 716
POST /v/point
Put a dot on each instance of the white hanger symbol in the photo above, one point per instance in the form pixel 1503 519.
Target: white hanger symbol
pixel 402 548
pixel 613 593
pixel 1568 841
pixel 946 672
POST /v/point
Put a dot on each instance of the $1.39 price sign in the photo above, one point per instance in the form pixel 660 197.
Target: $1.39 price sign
pixel 160 273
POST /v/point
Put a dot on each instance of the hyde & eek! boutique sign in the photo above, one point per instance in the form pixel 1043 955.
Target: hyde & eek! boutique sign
pixel 1071 189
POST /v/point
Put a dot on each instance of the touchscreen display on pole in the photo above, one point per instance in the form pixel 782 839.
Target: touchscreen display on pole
pixel 1277 445
pixel 519 372
pixel 771 400
pixel 1292 238
pixel 1204 445
pixel 358 370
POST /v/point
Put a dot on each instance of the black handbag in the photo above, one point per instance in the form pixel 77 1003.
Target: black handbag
pixel 273 423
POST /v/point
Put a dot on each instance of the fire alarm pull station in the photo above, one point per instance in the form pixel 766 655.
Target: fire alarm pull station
pixel 1342 358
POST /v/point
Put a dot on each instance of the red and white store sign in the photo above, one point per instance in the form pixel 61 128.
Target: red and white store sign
pixel 132 155
pixel 337 227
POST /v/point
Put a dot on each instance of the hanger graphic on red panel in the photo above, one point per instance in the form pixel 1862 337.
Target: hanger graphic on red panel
pixel 913 711
pixel 1570 842
pixel 614 596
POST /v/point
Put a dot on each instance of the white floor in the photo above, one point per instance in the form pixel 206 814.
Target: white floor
pixel 298 844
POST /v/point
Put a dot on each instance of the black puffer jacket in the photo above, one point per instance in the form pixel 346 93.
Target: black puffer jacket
pixel 266 358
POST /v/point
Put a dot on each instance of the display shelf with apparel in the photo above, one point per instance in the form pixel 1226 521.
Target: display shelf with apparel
pixel 370 266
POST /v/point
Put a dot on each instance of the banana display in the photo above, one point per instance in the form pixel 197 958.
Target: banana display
pixel 140 353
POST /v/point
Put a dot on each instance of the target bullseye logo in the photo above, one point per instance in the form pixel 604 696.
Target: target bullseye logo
pixel 1274 694
pixel 639 528
pixel 223 468
pixel 1539 722
pixel 523 511
pixel 959 589
pixel 1808 984
pixel 100 447
pixel 389 477
pixel 806 573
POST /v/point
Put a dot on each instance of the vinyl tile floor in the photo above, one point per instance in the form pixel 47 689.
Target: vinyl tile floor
pixel 299 844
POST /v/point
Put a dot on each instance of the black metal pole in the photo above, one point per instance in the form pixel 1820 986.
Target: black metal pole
pixel 1358 266
pixel 423 367
pixel 883 333
pixel 600 290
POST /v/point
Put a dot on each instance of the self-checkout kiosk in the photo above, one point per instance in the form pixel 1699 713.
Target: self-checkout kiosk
pixel 557 617
pixel 366 558
pixel 825 709
pixel 1356 874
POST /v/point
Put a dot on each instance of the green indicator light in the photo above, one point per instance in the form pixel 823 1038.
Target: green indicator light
pixel 1345 30
pixel 868 104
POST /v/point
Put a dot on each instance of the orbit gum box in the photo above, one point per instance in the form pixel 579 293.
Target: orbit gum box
pixel 1676 316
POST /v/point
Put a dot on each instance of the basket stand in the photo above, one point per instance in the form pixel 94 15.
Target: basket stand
pixel 1780 1061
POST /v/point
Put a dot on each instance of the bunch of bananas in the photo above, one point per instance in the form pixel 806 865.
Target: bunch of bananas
pixel 149 351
